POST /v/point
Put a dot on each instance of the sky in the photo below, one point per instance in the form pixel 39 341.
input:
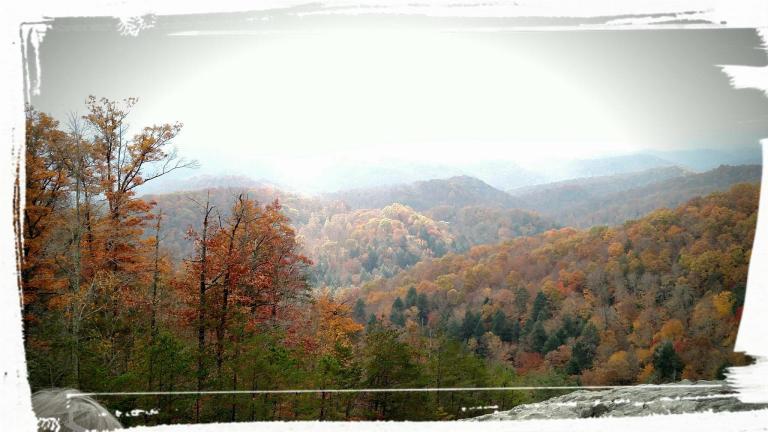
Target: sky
pixel 287 97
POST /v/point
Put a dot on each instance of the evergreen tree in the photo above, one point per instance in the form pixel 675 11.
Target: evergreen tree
pixel 372 323
pixel 389 363
pixel 410 298
pixel 538 337
pixel 501 327
pixel 571 326
pixel 540 310
pixel 515 332
pixel 521 300
pixel 553 342
pixel 397 317
pixel 666 362
pixel 584 350
pixel 422 303
pixel 358 312
pixel 471 326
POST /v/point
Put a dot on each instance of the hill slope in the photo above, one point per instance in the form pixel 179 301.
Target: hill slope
pixel 604 303
pixel 598 185
pixel 612 200
pixel 351 246
pixel 457 192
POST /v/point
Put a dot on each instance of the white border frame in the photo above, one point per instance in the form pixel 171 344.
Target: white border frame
pixel 15 407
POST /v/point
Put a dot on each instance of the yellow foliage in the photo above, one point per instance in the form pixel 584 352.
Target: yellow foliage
pixel 335 325
pixel 723 303
pixel 618 358
pixel 672 330
pixel 615 249
pixel 645 375
pixel 642 355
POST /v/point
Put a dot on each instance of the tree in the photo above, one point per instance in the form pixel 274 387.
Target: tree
pixel 521 300
pixel 46 299
pixel 541 309
pixel 359 311
pixel 666 362
pixel 410 297
pixel 372 322
pixel 538 338
pixel 99 255
pixel 584 350
pixel 422 303
pixel 154 297
pixel 46 188
pixel 121 165
pixel 553 342
pixel 501 327
pixel 199 269
pixel 397 316
pixel 388 363
pixel 331 323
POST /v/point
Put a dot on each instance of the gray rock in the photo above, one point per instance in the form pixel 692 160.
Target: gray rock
pixel 638 400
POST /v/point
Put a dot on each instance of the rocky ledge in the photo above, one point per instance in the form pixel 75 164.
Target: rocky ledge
pixel 641 400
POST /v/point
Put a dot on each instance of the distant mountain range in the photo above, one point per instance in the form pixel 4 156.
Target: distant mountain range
pixel 582 202
pixel 206 181
pixel 356 235
pixel 604 166
pixel 706 159
pixel 457 192
pixel 341 176
pixel 612 200
pixel 588 187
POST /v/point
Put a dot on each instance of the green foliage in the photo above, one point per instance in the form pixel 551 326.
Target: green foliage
pixel 658 298
pixel 422 303
pixel 396 316
pixel 410 297
pixel 372 322
pixel 584 350
pixel 666 363
pixel 501 327
pixel 389 363
pixel 471 326
pixel 358 313
pixel 538 338
pixel 541 308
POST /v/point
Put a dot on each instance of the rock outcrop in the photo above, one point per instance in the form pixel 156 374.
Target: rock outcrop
pixel 641 400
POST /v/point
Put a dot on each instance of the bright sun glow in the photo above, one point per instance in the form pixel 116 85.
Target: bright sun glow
pixel 371 95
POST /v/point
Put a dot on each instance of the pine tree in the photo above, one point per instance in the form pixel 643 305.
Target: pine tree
pixel 397 317
pixel 422 303
pixel 410 298
pixel 358 312
pixel 666 363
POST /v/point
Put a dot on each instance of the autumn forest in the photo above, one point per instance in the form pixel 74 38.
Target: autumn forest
pixel 449 282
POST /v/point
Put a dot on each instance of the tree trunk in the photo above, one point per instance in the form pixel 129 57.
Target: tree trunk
pixel 201 308
pixel 153 301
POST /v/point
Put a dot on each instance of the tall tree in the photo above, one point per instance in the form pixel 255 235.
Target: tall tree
pixel 396 316
pixel 666 362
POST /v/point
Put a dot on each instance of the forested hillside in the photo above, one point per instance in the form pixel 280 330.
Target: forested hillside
pixel 476 225
pixel 607 166
pixel 258 289
pixel 654 299
pixel 459 191
pixel 573 190
pixel 182 210
pixel 106 309
pixel 350 248
pixel 353 246
pixel 612 200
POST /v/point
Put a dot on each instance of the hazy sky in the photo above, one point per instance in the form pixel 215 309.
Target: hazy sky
pixel 258 91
